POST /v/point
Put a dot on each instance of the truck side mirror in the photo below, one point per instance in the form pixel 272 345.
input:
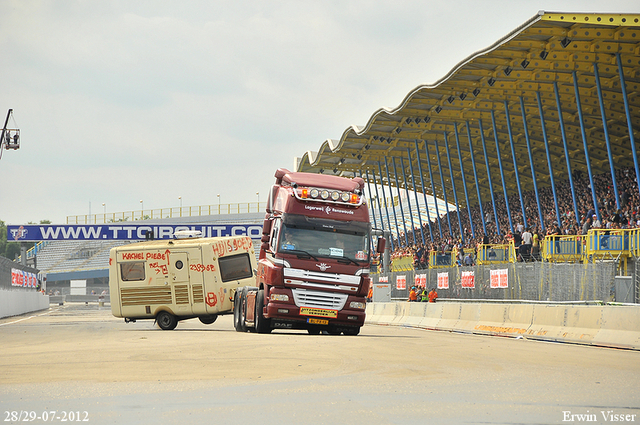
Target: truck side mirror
pixel 381 245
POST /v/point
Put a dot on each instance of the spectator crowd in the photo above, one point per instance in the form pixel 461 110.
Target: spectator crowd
pixel 609 215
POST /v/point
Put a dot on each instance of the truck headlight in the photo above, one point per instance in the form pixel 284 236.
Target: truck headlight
pixel 279 297
pixel 356 304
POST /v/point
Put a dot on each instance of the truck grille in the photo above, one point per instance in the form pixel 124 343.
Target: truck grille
pixel 317 299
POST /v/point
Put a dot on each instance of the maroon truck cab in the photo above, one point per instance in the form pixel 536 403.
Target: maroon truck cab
pixel 313 269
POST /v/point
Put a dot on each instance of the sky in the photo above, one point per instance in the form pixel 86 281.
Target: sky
pixel 171 102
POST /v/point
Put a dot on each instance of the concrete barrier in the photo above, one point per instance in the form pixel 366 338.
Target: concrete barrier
pixel 620 327
pixel 606 325
pixel 432 316
pixel 414 313
pixel 15 303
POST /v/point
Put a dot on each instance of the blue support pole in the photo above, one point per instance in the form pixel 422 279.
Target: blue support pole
pixel 444 189
pixel 584 142
pixel 515 163
pixel 533 168
pixel 475 176
pixel 373 210
pixel 377 197
pixel 546 146
pixel 406 190
pixel 415 194
pixel 605 128
pixel 453 185
pixel 404 221
pixel 424 190
pixel 464 180
pixel 433 188
pixel 486 163
pixel 386 206
pixel 566 151
pixel 504 183
pixel 395 216
pixel 623 87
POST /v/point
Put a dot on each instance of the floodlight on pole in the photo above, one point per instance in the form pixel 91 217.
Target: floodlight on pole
pixel 10 137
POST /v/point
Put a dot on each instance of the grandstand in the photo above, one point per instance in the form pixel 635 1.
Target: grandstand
pixel 539 130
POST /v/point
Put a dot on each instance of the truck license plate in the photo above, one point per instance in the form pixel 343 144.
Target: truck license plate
pixel 318 312
pixel 313 321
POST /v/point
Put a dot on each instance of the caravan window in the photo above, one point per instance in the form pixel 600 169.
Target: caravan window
pixel 132 271
pixel 235 267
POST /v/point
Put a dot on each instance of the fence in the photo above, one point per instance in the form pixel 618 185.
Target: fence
pixel 201 210
pixel 535 281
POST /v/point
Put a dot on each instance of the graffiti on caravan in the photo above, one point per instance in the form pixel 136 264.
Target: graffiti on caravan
pixel 125 231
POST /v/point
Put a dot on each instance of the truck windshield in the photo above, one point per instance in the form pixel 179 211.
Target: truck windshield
pixel 326 238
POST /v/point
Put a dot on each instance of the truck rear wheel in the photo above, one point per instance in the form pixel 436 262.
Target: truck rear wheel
pixel 166 321
pixel 238 313
pixel 263 325
pixel 207 320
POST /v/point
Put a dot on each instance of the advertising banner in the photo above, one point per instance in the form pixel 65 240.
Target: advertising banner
pixel 421 280
pixel 443 280
pixel 500 278
pixel 468 280
pixel 401 282
pixel 124 231
pixel 383 279
pixel 23 279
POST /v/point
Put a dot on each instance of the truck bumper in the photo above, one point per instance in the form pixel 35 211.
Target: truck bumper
pixel 290 314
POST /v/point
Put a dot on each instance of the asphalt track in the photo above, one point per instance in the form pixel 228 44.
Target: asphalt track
pixel 81 359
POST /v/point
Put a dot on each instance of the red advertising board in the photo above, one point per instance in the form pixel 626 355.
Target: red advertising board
pixel 468 280
pixel 500 278
pixel 443 280
pixel 401 282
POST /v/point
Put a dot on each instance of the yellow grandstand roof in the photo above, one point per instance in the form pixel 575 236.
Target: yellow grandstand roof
pixel 552 51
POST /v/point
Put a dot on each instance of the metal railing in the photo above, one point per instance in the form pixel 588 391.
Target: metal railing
pixel 563 248
pixel 175 212
pixel 496 254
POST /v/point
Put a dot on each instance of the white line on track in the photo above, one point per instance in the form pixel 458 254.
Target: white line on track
pixel 30 317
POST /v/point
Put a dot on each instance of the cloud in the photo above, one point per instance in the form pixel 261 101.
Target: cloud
pixel 119 101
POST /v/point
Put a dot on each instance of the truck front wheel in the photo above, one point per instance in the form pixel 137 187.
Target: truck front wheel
pixel 263 326
pixel 238 314
pixel 352 331
pixel 166 321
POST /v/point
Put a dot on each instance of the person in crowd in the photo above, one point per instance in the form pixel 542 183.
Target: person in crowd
pixel 424 295
pixel 433 295
pixel 413 295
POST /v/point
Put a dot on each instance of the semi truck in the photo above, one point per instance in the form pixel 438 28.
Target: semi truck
pixel 315 257
pixel 178 279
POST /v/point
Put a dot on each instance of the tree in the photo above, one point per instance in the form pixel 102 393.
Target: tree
pixel 10 249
